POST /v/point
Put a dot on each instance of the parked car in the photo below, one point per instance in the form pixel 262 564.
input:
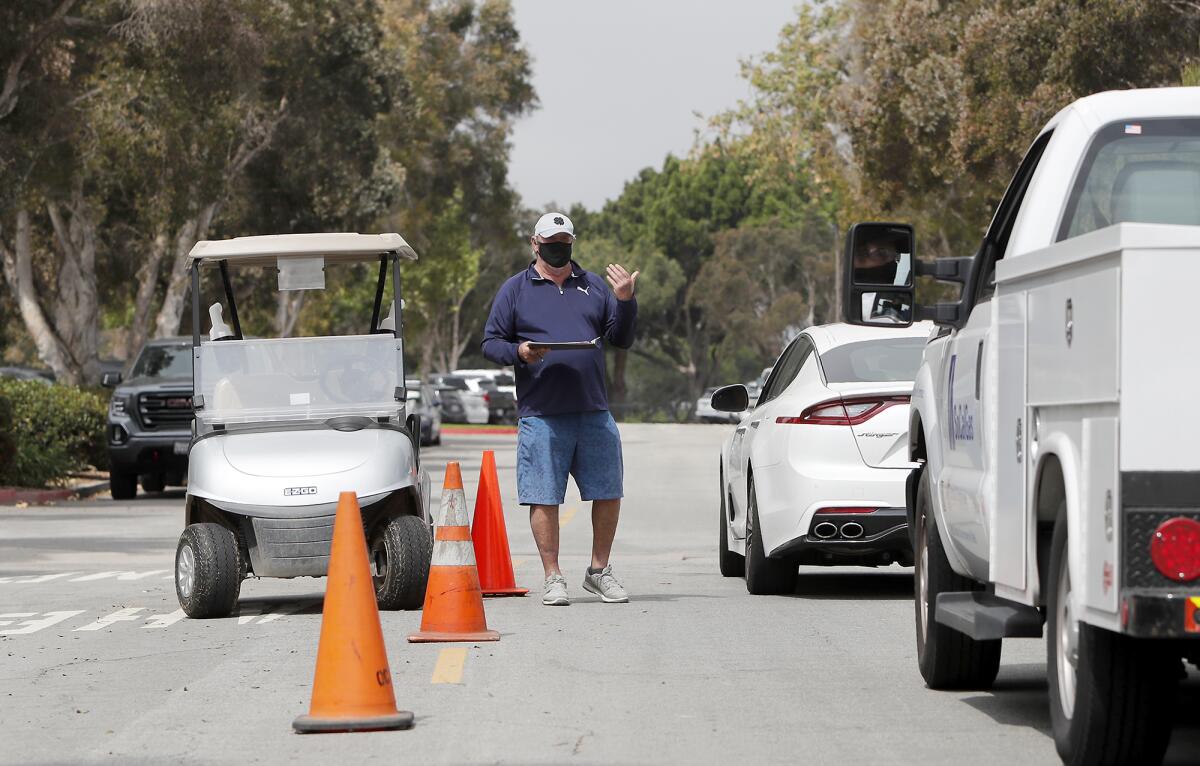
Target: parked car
pixel 150 419
pixel 27 373
pixel 504 379
pixel 502 405
pixel 468 404
pixel 423 400
pixel 815 473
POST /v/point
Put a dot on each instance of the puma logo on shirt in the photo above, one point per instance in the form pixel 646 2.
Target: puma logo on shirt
pixel 584 290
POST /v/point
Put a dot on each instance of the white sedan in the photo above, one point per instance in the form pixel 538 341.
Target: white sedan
pixel 816 472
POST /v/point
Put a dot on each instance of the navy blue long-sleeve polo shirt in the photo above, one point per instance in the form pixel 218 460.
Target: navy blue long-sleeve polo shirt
pixel 530 307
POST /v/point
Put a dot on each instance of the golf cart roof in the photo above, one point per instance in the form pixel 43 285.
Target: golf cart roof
pixel 335 247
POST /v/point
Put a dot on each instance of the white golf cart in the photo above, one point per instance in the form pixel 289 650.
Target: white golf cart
pixel 284 425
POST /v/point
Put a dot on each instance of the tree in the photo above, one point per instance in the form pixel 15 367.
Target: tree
pixel 449 269
pixel 461 78
pixel 946 97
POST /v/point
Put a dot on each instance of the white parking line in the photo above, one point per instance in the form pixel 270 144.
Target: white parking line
pixel 164 620
pixel 29 579
pixel 33 626
pixel 282 610
pixel 121 615
pixel 127 576
pixel 120 575
pixel 31 622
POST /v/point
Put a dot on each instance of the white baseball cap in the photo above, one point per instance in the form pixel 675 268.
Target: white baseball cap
pixel 554 223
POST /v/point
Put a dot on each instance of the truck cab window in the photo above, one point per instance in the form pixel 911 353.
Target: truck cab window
pixel 1145 171
pixel 1000 230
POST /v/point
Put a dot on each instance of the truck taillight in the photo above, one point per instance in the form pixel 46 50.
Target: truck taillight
pixel 1175 549
pixel 850 411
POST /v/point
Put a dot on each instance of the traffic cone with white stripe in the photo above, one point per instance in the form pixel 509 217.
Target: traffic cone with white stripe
pixel 453 602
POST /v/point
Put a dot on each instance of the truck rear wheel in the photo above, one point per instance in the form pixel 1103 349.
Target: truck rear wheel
pixel 400 552
pixel 208 571
pixel 764 576
pixel 948 659
pixel 1111 696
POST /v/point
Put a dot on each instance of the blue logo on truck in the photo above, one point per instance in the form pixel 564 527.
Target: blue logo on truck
pixel 961 419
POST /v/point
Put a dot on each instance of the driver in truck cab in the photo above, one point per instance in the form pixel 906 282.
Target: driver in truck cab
pixel 879 262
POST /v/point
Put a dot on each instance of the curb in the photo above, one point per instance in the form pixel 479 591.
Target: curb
pixel 14 495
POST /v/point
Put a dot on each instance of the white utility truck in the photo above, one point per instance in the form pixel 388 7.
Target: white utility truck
pixel 1054 422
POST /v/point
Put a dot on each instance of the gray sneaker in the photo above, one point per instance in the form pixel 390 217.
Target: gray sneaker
pixel 604 585
pixel 556 591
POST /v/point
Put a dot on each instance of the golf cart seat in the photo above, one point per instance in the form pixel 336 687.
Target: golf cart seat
pixel 218 329
pixel 388 324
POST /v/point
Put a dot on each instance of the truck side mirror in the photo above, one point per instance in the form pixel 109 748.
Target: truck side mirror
pixel 877 268
pixel 110 379
pixel 733 398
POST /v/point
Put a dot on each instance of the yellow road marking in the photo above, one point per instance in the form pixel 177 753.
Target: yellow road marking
pixel 449 667
pixel 567 514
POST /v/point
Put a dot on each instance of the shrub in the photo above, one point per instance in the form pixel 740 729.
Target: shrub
pixel 52 430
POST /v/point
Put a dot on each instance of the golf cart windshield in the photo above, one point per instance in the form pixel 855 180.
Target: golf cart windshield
pixel 241 380
pixel 244 381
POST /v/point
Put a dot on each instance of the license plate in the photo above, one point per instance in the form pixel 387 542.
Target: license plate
pixel 181 448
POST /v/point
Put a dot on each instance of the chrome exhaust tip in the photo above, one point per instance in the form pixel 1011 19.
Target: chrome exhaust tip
pixel 852 530
pixel 825 530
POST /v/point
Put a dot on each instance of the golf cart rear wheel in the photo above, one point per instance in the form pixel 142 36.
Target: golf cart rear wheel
pixel 400 553
pixel 122 485
pixel 208 571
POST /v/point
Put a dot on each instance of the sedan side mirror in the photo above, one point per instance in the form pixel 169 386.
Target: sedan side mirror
pixel 110 379
pixel 733 398
pixel 877 269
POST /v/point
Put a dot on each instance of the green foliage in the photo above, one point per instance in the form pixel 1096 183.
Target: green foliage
pixel 947 97
pixel 52 429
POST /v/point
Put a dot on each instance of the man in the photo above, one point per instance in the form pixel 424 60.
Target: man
pixel 565 425
pixel 881 262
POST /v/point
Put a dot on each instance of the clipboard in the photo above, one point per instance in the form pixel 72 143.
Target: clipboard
pixel 578 345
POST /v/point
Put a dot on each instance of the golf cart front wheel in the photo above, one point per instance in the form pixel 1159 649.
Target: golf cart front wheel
pixel 208 574
pixel 400 552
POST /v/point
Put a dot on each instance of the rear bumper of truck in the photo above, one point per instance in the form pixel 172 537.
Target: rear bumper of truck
pixel 1154 614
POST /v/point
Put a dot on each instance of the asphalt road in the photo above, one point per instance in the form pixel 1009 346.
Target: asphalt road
pixel 97 664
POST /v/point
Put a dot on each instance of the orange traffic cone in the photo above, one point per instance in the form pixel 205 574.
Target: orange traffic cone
pixel 490 536
pixel 352 688
pixel 453 604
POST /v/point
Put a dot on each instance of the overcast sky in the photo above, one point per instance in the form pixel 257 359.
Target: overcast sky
pixel 620 83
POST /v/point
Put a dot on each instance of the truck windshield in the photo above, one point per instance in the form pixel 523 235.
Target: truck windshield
pixel 874 361
pixel 163 362
pixel 1137 172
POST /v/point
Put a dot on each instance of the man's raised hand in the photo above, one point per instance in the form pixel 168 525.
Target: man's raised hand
pixel 623 283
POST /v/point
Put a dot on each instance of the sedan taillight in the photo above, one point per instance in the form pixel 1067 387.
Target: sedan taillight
pixel 850 411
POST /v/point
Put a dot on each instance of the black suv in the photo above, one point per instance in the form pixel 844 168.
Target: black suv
pixel 150 419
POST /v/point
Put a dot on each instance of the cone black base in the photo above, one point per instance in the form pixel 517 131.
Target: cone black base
pixel 307 724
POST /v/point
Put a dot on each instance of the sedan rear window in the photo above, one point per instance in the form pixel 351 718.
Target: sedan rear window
pixel 874 361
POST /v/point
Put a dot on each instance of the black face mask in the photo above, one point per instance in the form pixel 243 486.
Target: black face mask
pixel 555 254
